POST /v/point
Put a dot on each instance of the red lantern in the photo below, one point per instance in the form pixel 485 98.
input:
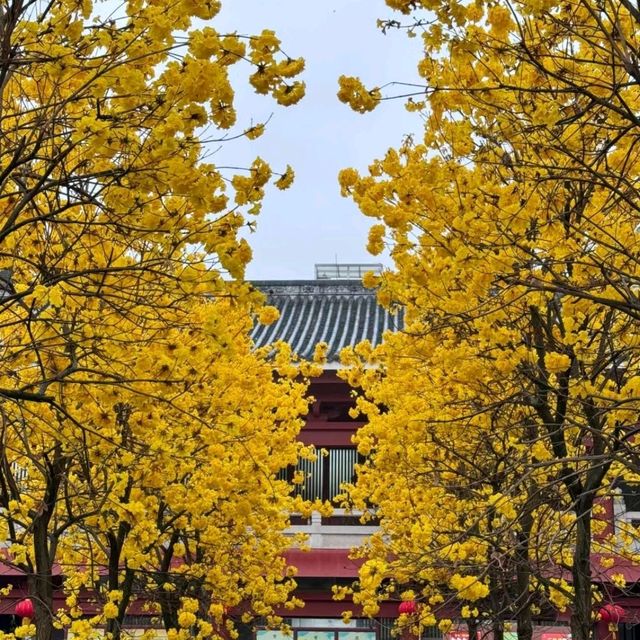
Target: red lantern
pixel 612 613
pixel 24 608
pixel 407 606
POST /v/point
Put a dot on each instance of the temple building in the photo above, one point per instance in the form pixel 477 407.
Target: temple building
pixel 337 309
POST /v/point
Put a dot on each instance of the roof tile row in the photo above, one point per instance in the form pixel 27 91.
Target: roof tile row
pixel 340 313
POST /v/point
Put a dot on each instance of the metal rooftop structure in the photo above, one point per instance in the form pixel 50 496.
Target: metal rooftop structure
pixel 339 312
pixel 345 271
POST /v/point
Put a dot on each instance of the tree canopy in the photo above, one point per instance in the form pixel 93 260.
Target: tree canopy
pixel 507 408
pixel 142 434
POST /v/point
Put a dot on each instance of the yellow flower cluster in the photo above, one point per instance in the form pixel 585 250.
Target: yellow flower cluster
pixel 469 587
pixel 272 76
pixel 352 92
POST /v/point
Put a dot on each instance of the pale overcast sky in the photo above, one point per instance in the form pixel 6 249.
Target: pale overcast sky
pixel 310 222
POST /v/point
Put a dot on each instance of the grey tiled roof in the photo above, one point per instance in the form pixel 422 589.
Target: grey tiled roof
pixel 338 312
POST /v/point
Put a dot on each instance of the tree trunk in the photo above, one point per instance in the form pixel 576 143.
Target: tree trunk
pixel 169 599
pixel 115 625
pixel 581 625
pixel 498 629
pixel 116 543
pixel 169 605
pixel 472 626
pixel 44 546
pixel 41 582
pixel 523 579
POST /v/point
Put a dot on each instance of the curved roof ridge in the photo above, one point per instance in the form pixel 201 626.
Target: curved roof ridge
pixel 341 313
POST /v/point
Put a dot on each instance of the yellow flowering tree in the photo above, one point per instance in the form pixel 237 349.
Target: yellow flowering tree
pixel 141 434
pixel 473 516
pixel 512 224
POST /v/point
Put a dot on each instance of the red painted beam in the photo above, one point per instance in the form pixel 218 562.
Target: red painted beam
pixel 323 563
